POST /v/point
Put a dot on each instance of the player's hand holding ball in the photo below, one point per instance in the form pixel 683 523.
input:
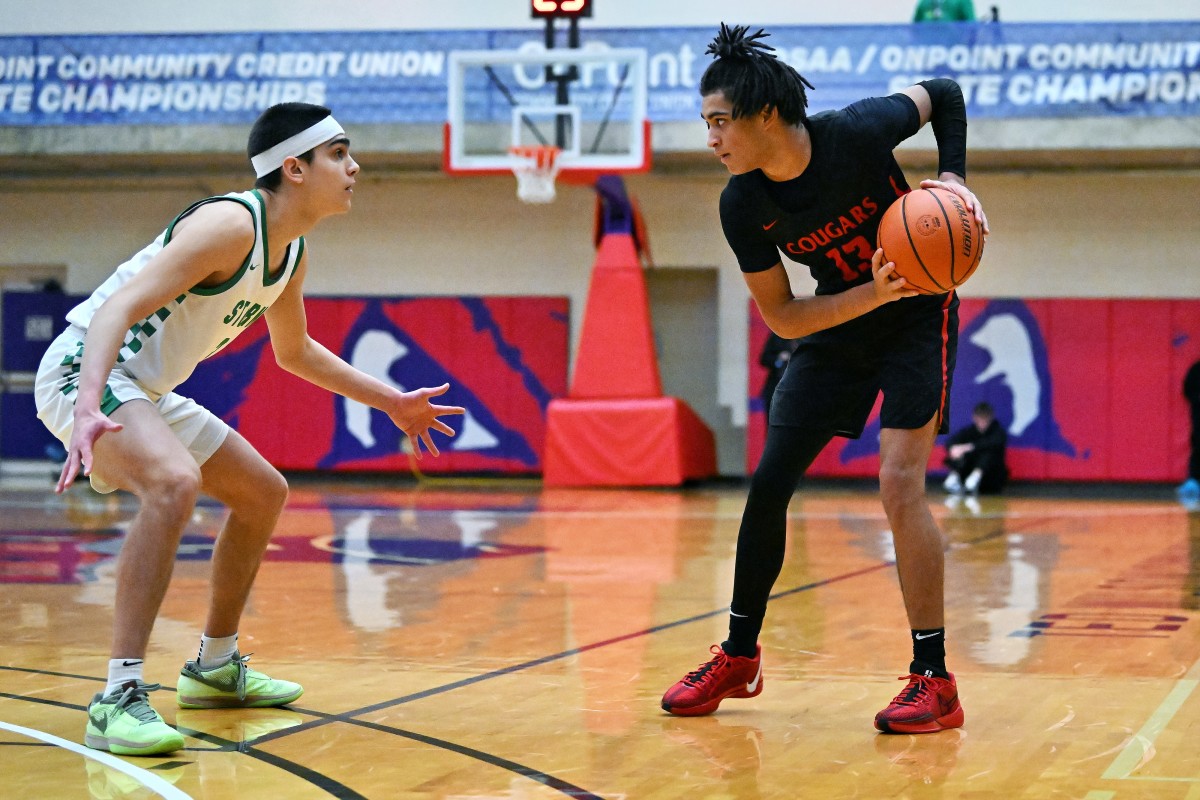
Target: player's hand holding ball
pixel 889 285
pixel 935 236
pixel 966 194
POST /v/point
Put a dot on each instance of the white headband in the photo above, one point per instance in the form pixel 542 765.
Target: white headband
pixel 272 158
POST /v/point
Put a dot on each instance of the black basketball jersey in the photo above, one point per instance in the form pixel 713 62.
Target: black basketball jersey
pixel 827 217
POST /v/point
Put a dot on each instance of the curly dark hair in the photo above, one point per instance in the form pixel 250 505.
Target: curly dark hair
pixel 752 78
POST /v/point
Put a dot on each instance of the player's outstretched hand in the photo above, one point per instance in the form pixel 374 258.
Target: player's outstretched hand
pixel 89 426
pixel 968 197
pixel 888 285
pixel 416 416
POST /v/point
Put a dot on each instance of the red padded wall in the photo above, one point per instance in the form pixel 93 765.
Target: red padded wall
pixel 1108 376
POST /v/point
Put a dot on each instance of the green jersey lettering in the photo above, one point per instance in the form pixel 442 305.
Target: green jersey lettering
pixel 237 309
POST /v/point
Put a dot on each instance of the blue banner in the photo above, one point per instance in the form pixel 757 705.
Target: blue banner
pixel 1006 70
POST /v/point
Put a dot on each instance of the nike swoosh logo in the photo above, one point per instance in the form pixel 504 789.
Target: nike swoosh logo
pixel 752 685
pixel 130 663
pixel 926 636
pixel 768 227
pixel 101 723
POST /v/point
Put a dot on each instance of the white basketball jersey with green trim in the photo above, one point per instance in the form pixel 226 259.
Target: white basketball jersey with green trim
pixel 162 350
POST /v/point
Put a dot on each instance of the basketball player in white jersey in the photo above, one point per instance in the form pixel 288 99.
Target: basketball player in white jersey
pixel 105 388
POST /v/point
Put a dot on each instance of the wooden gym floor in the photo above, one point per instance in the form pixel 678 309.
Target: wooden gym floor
pixel 500 641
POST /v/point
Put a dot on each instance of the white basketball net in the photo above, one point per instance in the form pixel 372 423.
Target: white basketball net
pixel 536 167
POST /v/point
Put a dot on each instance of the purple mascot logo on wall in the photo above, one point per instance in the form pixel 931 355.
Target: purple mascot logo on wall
pixel 505 358
pixel 378 347
pixel 1001 359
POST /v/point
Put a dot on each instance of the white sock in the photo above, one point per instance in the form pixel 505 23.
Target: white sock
pixel 972 482
pixel 216 651
pixel 121 671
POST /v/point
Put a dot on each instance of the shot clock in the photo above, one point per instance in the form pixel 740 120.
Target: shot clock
pixel 560 9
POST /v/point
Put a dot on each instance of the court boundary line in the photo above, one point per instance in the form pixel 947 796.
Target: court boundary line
pixel 1133 755
pixel 318 780
pixel 146 778
pixel 536 775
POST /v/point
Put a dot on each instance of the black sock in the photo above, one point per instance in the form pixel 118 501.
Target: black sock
pixel 743 636
pixel 929 651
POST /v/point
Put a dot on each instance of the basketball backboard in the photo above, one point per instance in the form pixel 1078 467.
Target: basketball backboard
pixel 590 103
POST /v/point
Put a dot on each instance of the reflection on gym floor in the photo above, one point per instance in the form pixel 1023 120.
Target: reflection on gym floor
pixel 505 641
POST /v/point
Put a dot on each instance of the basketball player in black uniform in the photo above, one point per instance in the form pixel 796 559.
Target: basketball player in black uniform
pixel 814 189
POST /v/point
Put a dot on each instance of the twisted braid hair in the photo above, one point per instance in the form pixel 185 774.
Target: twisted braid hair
pixel 753 79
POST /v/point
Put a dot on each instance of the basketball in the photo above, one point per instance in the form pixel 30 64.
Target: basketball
pixel 933 238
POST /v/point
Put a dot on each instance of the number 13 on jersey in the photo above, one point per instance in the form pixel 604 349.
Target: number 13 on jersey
pixel 861 250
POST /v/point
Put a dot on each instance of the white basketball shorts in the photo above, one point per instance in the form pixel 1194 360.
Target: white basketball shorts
pixel 197 428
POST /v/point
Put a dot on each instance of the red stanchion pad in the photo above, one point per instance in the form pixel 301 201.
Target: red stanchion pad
pixel 657 441
pixel 616 355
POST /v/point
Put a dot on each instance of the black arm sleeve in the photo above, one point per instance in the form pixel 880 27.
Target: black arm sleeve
pixel 949 119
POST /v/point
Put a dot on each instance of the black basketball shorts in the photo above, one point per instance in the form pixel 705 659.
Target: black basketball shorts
pixel 906 349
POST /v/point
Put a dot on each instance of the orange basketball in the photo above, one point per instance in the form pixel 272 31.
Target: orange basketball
pixel 933 238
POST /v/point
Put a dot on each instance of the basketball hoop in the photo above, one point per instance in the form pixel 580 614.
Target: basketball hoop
pixel 536 167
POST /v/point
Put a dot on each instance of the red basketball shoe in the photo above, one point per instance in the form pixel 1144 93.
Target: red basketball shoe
pixel 703 689
pixel 926 705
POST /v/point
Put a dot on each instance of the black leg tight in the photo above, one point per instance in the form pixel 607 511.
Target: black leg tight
pixel 761 540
